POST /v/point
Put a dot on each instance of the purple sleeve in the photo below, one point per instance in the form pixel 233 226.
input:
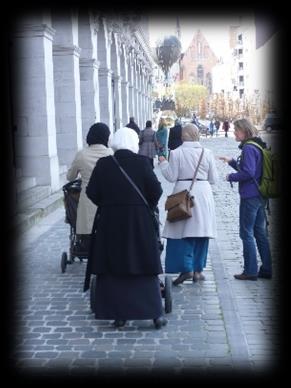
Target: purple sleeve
pixel 247 166
pixel 233 164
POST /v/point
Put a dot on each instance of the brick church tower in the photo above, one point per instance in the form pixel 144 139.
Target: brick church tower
pixel 197 62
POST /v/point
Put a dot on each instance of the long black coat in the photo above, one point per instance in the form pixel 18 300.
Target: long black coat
pixel 123 237
pixel 134 126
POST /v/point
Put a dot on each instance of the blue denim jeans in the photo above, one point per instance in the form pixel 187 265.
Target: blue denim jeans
pixel 253 232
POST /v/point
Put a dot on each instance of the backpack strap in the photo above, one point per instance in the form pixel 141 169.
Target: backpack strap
pixel 254 143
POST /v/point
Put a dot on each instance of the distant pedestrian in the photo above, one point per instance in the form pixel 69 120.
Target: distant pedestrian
pixel 162 138
pixel 225 127
pixel 195 120
pixel 175 135
pixel 132 124
pixel 252 220
pixel 211 127
pixel 148 144
pixel 217 125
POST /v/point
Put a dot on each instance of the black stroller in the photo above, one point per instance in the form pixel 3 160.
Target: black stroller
pixel 78 246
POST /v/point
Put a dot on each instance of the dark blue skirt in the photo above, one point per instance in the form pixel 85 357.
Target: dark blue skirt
pixel 128 297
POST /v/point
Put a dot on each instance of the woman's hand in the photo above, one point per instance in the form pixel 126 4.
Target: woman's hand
pixel 224 159
pixel 162 158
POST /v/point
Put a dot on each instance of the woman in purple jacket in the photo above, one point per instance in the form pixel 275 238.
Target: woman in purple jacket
pixel 252 217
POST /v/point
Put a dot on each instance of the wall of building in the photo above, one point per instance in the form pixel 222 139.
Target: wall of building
pixel 198 54
pixel 69 71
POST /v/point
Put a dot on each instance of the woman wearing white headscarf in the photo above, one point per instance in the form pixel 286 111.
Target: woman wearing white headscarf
pixel 188 240
pixel 124 251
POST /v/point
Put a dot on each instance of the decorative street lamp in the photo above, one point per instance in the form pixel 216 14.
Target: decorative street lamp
pixel 168 51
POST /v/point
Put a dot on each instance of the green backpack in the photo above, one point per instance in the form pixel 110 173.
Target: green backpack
pixel 269 185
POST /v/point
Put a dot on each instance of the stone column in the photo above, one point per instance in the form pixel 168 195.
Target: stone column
pixel 105 96
pixel 89 94
pixel 36 147
pixel 139 98
pixel 117 102
pixel 68 102
pixel 89 65
pixel 150 90
pixel 125 101
pixel 115 52
pixel 144 111
pixel 131 102
pixel 136 102
pixel 124 86
pixel 148 100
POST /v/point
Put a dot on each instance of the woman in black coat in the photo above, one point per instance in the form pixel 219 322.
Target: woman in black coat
pixel 175 136
pixel 124 252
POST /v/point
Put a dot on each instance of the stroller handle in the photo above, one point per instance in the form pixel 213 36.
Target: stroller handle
pixel 75 184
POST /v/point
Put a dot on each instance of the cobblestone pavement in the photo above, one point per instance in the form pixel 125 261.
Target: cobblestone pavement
pixel 220 325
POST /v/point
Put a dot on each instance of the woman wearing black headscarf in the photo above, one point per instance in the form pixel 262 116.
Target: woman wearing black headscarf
pixel 83 164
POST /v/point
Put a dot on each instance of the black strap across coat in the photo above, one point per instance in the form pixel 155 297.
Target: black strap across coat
pixel 124 240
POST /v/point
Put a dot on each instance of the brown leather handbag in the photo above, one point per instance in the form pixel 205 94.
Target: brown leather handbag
pixel 179 204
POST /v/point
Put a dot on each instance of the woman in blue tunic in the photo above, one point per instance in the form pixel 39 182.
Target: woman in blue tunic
pixel 162 138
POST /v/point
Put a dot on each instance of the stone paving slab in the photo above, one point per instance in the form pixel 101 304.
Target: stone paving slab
pixel 217 325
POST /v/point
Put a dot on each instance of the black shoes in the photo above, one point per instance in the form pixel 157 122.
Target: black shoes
pixel 244 276
pixel 159 322
pixel 182 277
pixel 119 322
pixel 263 275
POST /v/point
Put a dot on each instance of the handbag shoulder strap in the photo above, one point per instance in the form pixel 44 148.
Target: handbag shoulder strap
pixel 196 171
pixel 130 181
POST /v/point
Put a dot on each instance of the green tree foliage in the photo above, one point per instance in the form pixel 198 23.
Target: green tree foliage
pixel 188 98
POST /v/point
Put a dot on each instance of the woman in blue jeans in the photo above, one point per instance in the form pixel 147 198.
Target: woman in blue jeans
pixel 252 216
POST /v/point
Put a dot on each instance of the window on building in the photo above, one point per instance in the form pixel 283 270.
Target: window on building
pixel 200 74
pixel 209 82
pixel 241 66
pixel 241 93
pixel 239 38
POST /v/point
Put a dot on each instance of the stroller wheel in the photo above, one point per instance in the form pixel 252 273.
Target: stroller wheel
pixel 93 293
pixel 159 322
pixel 168 295
pixel 64 262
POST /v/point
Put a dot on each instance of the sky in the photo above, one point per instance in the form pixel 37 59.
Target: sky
pixel 214 30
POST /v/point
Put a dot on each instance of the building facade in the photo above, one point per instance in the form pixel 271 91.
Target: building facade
pixel 197 62
pixel 68 72
pixel 247 72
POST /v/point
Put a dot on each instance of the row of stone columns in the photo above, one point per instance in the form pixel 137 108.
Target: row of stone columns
pixel 69 72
